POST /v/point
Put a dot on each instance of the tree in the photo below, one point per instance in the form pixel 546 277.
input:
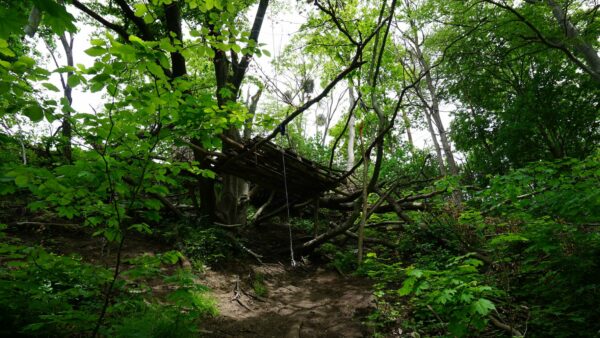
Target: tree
pixel 518 102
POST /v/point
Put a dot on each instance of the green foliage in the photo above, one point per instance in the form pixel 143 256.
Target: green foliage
pixel 517 104
pixel 342 259
pixel 42 293
pixel 46 294
pixel 545 231
pixel 456 294
pixel 259 286
pixel 207 246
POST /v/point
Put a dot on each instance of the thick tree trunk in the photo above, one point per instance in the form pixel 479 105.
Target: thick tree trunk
pixel 229 75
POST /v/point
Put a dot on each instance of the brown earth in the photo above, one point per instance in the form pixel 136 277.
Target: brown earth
pixel 308 300
pixel 301 302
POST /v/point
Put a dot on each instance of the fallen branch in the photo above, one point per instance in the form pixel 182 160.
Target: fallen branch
pixel 497 323
pixel 261 209
pixel 372 240
pixel 251 295
pixel 315 242
pixel 45 223
pixel 244 248
pixel 228 226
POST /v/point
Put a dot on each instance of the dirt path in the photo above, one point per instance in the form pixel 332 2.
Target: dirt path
pixel 305 301
pixel 301 302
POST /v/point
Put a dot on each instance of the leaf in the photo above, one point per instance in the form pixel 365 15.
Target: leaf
pixel 140 10
pixel 21 181
pixel 155 69
pixel 34 112
pixel 137 40
pixel 95 51
pixel 73 81
pixel 236 48
pixel 483 306
pixel 50 86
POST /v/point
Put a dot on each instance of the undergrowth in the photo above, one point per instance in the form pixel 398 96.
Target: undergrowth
pixel 46 294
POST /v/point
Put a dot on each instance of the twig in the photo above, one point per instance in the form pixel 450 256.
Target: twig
pixel 237 294
pixel 436 315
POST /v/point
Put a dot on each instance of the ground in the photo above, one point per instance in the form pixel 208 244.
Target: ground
pixel 301 302
pixel 308 300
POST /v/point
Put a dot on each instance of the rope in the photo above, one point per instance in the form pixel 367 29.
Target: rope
pixel 287 207
pixel 281 128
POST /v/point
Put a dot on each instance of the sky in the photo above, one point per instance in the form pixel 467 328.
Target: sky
pixel 278 28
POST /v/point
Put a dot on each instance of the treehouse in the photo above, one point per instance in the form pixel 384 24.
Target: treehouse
pixel 266 164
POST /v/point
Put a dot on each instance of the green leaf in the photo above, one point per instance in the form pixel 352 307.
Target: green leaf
pixel 136 40
pixel 21 181
pixel 73 81
pixel 140 10
pixel 236 48
pixel 50 86
pixel 483 306
pixel 155 69
pixel 95 51
pixel 34 112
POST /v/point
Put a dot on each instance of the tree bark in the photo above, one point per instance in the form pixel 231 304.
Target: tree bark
pixel 351 128
pixel 585 49
pixel 411 143
pixel 434 108
pixel 68 94
pixel 231 206
pixel 436 144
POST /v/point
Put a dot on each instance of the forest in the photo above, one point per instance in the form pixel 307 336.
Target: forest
pixel 273 168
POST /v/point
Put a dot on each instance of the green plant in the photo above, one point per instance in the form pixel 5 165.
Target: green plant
pixel 343 260
pixel 456 299
pixel 207 246
pixel 259 286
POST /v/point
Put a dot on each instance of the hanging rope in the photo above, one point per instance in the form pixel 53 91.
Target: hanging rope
pixel 287 199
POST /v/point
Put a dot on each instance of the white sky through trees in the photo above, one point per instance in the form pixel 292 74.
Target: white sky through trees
pixel 278 28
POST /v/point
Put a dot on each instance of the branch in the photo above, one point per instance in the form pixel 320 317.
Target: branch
pixel 497 323
pixel 139 22
pixel 337 140
pixel 545 41
pixel 241 68
pixel 113 26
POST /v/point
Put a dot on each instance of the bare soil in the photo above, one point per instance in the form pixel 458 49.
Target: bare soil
pixel 303 301
pixel 308 300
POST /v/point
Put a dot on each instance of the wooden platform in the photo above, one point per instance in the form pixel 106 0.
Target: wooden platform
pixel 262 163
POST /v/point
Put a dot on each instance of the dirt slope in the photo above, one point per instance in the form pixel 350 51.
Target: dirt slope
pixel 301 302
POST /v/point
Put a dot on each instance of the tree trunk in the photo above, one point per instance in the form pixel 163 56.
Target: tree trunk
pixel 68 93
pixel 434 109
pixel 365 198
pixel 436 145
pixel 351 128
pixel 585 49
pixel 231 206
pixel 411 143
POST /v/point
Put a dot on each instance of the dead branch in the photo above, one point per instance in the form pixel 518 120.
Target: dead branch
pixel 372 240
pixel 497 323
